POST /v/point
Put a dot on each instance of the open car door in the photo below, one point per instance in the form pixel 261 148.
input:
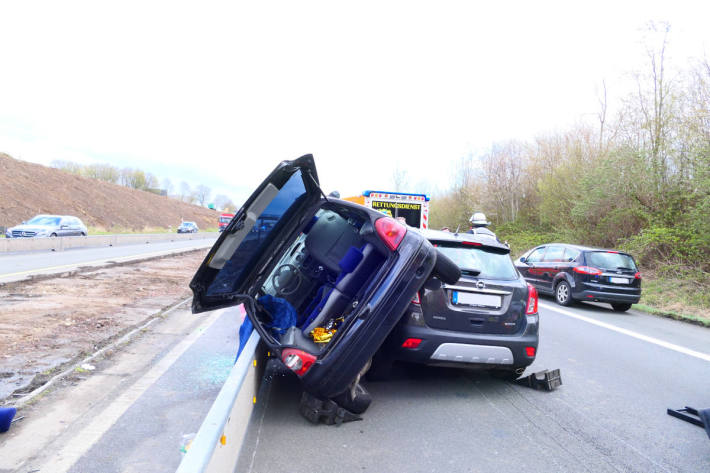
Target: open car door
pixel 256 230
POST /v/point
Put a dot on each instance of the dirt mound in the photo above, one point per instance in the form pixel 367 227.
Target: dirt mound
pixel 30 189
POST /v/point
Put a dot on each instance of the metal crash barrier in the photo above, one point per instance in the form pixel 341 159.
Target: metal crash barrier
pixel 216 446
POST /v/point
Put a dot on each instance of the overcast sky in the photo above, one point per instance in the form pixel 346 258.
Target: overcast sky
pixel 219 92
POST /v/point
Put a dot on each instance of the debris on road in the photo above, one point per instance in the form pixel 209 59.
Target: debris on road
pixel 701 417
pixel 547 380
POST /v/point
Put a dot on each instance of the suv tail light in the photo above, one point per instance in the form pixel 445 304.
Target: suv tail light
pixel 416 300
pixel 637 275
pixel 532 300
pixel 587 270
pixel 297 361
pixel 411 343
pixel 390 231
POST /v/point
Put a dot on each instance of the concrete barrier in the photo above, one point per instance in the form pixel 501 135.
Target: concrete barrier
pixel 216 446
pixel 8 245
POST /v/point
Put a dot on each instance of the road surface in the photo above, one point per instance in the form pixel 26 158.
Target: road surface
pixel 18 266
pixel 620 373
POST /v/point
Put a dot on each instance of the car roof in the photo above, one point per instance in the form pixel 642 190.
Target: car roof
pixel 581 247
pixel 460 237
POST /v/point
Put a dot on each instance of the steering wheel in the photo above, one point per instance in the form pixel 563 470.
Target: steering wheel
pixel 286 279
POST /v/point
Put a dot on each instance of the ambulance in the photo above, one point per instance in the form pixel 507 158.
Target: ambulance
pixel 413 208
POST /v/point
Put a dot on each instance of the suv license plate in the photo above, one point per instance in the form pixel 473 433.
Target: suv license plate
pixel 619 280
pixel 475 298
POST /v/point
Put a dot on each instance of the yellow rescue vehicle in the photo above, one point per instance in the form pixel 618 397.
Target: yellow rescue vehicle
pixel 413 208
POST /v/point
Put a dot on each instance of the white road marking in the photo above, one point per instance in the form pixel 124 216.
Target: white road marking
pixel 65 458
pixel 631 333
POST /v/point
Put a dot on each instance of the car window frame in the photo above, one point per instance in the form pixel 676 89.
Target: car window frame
pixel 542 257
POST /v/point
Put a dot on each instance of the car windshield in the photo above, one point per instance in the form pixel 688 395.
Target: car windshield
pixel 44 220
pixel 610 260
pixel 492 265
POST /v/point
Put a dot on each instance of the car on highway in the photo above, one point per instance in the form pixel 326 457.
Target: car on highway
pixel 323 281
pixel 487 320
pixel 580 273
pixel 188 227
pixel 48 226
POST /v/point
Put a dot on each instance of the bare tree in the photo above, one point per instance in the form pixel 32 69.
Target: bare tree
pixel 223 202
pixel 202 193
pixel 185 192
pixel 168 186
pixel 400 179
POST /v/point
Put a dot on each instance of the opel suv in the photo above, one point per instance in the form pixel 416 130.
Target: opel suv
pixel 488 319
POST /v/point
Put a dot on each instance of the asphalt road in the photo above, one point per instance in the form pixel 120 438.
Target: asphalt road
pixel 620 373
pixel 18 266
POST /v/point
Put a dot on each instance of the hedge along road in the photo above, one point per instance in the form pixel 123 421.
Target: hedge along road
pixel 18 266
pixel 609 415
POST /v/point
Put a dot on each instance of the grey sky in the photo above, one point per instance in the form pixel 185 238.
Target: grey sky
pixel 219 92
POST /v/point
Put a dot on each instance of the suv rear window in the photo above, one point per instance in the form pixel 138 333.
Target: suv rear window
pixel 491 264
pixel 608 260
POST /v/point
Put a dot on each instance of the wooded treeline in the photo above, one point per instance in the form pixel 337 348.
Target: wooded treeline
pixel 638 178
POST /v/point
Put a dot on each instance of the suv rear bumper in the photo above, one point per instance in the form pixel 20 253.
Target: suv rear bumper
pixel 606 296
pixel 444 347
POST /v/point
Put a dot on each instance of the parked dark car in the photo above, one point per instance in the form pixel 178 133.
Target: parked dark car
pixel 48 226
pixel 188 227
pixel 579 273
pixel 488 319
pixel 323 280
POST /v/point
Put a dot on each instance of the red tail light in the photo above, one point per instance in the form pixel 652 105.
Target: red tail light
pixel 532 300
pixel 391 232
pixel 411 343
pixel 416 300
pixel 637 275
pixel 471 243
pixel 587 270
pixel 530 351
pixel 297 361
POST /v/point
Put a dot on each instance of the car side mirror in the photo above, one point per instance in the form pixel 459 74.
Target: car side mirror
pixel 570 259
pixel 522 259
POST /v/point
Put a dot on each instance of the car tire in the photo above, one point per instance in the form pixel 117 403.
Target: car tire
pixel 563 293
pixel 620 307
pixel 53 235
pixel 356 404
pixel 83 234
pixel 445 269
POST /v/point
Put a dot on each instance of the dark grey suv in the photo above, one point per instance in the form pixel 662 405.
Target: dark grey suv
pixel 488 319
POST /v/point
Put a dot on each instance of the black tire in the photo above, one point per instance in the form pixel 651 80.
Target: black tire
pixel 53 235
pixel 356 404
pixel 445 269
pixel 83 234
pixel 563 293
pixel 620 307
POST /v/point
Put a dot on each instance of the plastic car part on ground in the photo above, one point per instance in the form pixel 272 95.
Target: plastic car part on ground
pixel 547 380
pixel 701 417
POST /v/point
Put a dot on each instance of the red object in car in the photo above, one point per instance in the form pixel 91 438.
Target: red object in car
pixel 530 351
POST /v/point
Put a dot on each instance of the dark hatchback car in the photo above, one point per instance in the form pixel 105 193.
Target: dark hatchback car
pixel 323 280
pixel 488 319
pixel 579 273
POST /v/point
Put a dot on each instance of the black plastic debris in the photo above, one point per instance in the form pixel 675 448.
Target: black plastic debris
pixel 328 412
pixel 547 380
pixel 701 418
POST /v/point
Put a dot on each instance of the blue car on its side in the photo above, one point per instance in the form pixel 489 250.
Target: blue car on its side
pixel 323 280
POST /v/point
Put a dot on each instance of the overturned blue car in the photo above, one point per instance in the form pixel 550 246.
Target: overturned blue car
pixel 323 281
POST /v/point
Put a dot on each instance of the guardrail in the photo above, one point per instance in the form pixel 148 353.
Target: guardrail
pixel 216 446
pixel 94 241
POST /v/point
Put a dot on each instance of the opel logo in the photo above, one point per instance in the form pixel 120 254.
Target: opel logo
pixel 480 284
